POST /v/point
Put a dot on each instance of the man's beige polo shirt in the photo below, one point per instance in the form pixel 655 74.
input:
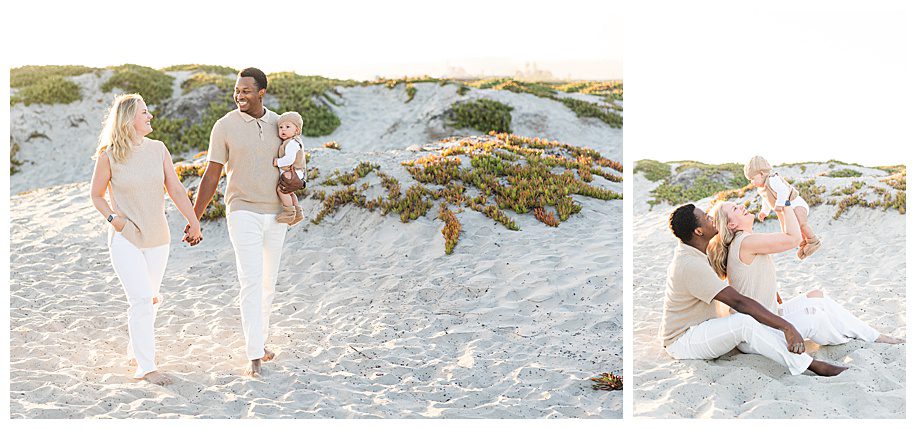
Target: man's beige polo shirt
pixel 247 146
pixel 691 287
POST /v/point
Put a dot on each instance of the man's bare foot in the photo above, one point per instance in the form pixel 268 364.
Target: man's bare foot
pixel 889 340
pixel 825 369
pixel 254 369
pixel 157 378
pixel 268 356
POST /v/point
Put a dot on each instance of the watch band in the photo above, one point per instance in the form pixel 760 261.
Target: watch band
pixel 111 217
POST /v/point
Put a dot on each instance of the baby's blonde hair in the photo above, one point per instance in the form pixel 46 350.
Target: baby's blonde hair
pixel 118 129
pixel 756 165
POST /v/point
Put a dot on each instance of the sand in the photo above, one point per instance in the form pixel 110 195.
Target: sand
pixel 371 318
pixel 861 266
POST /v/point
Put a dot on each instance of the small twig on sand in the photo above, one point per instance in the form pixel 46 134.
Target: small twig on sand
pixel 357 351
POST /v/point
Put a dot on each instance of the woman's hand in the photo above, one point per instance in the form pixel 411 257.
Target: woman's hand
pixel 119 222
pixel 193 234
pixel 761 215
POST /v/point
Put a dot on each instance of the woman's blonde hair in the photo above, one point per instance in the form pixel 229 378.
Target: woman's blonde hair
pixel 717 252
pixel 118 128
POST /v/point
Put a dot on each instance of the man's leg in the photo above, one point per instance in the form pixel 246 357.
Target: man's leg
pixel 715 337
pixel 247 236
pixel 274 237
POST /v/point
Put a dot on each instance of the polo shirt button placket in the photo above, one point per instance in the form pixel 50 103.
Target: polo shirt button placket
pixel 260 130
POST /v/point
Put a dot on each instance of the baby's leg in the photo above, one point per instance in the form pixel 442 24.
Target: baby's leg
pixel 802 216
pixel 294 198
pixel 285 199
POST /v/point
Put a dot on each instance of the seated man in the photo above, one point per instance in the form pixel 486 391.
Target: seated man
pixel 690 327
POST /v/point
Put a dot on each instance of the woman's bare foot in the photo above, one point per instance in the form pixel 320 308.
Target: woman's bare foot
pixel 888 340
pixel 157 378
pixel 254 368
pixel 268 356
pixel 825 369
pixel 132 362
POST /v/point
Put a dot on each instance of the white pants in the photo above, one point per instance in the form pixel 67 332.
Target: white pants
pixel 140 272
pixel 819 319
pixel 258 241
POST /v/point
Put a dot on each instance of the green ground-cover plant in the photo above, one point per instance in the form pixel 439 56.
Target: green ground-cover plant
pixel 653 170
pixel 206 68
pixel 844 172
pixel 307 95
pixel 28 75
pixel 153 85
pixel 49 90
pixel 702 186
pixel 15 163
pixel 504 171
pixel 482 115
pixel 607 381
pixel 224 83
pixel 411 91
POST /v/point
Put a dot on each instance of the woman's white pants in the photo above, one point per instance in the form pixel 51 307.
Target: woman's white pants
pixel 258 241
pixel 140 272
pixel 821 320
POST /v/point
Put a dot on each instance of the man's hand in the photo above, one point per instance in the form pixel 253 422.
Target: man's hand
pixel 187 236
pixel 794 340
pixel 288 185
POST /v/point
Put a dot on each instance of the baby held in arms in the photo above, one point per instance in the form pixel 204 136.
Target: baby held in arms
pixel 777 194
pixel 290 160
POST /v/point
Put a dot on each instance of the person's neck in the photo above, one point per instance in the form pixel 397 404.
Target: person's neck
pixel 261 112
pixel 136 141
pixel 699 244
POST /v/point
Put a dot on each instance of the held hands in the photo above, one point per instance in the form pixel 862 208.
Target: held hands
pixel 796 344
pixel 192 234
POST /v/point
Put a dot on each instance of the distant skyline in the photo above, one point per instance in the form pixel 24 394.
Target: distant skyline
pixel 343 39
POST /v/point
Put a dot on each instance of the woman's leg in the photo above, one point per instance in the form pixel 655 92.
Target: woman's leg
pixel 130 266
pixel 836 324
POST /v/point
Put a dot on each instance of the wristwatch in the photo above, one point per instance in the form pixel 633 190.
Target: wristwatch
pixel 111 217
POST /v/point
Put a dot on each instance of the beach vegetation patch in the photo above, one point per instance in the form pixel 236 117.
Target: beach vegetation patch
pixel 153 85
pixel 844 172
pixel 482 115
pixel 652 169
pixel 48 90
pixel 205 68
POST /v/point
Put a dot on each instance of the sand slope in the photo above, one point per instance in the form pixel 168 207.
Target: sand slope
pixel 862 266
pixel 371 317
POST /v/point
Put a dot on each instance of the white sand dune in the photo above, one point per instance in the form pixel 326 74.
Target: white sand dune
pixel 861 266
pixel 371 317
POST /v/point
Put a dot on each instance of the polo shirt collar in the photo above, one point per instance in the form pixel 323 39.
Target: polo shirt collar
pixel 690 250
pixel 249 118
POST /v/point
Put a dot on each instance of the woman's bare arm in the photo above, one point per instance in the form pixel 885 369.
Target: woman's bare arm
pixel 776 242
pixel 101 177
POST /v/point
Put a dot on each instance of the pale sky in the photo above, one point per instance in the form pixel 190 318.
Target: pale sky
pixel 791 81
pixel 341 38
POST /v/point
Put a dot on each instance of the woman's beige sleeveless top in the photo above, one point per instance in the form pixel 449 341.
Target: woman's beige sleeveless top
pixel 756 280
pixel 138 193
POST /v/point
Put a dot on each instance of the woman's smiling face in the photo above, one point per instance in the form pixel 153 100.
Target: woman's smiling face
pixel 738 215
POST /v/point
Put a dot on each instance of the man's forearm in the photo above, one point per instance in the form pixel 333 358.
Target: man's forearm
pixel 758 312
pixel 204 194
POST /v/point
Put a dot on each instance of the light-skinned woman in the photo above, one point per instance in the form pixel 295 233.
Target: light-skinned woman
pixel 136 172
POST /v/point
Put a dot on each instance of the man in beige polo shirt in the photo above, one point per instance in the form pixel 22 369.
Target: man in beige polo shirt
pixel 690 327
pixel 245 142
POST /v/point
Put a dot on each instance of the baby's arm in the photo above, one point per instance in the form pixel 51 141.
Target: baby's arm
pixel 781 188
pixel 765 208
pixel 289 156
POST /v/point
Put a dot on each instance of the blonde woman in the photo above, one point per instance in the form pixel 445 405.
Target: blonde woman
pixel 743 257
pixel 133 170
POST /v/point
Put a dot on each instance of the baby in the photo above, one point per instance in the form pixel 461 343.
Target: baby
pixel 291 160
pixel 776 194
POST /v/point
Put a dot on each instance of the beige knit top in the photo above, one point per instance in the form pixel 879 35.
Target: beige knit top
pixel 756 280
pixel 138 193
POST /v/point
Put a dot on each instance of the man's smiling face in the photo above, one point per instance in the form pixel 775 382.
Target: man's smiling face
pixel 247 95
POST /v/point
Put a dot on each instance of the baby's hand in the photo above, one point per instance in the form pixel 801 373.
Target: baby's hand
pixel 761 215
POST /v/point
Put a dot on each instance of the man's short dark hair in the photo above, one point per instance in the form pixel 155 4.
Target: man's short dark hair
pixel 683 221
pixel 259 77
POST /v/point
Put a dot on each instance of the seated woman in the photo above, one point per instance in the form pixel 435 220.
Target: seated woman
pixel 743 257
